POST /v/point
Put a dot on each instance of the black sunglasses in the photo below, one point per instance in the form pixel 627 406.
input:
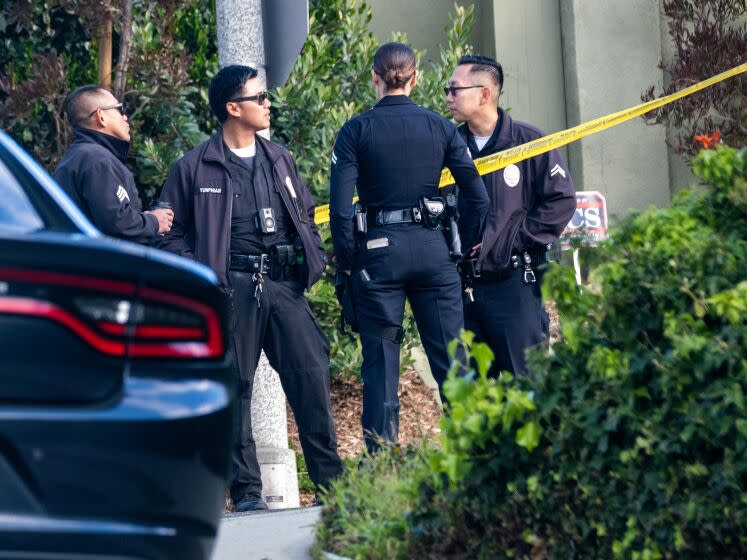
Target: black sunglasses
pixel 260 98
pixel 454 89
pixel 121 107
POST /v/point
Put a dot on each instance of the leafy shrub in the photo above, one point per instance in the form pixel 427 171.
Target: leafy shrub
pixel 49 49
pixel 710 37
pixel 631 441
pixel 640 409
pixel 365 512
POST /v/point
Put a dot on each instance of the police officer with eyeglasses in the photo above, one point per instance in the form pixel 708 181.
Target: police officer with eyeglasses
pixel 394 154
pixel 93 173
pixel 530 204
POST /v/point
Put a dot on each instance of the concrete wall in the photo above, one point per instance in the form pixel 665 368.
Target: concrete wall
pixel 528 45
pixel 424 22
pixel 611 50
pixel 680 174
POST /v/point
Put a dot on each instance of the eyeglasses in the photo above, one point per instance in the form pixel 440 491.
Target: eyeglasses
pixel 259 98
pixel 453 89
pixel 121 107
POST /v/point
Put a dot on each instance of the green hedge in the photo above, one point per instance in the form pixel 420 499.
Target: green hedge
pixel 631 442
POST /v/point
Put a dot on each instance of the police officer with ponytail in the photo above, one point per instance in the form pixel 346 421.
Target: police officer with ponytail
pixel 392 244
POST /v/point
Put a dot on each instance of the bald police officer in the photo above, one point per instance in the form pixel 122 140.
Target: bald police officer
pixel 93 171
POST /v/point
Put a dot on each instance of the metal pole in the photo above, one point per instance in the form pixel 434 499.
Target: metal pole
pixel 241 41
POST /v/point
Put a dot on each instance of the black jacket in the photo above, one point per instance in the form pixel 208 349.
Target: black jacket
pixel 394 154
pixel 530 202
pixel 93 174
pixel 200 191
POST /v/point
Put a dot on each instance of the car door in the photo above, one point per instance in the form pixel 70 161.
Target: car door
pixel 117 396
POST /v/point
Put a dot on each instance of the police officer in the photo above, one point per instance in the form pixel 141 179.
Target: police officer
pixel 530 205
pixel 241 207
pixel 394 154
pixel 93 171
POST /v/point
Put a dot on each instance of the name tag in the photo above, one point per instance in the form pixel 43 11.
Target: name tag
pixel 377 243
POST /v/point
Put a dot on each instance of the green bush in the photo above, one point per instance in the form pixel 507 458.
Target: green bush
pixel 640 409
pixel 631 441
pixel 49 49
pixel 364 514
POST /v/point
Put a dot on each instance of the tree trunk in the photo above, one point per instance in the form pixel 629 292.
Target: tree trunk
pixel 105 52
pixel 125 39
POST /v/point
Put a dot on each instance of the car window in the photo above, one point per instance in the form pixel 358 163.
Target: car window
pixel 17 213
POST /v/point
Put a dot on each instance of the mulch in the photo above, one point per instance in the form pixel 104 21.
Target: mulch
pixel 418 416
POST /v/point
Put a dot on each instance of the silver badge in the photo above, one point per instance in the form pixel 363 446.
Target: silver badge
pixel 511 175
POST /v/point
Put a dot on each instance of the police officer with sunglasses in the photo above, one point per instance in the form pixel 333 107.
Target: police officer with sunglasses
pixel 394 154
pixel 93 173
pixel 241 207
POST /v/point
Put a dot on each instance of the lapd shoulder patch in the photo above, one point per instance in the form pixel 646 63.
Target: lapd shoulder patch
pixel 122 194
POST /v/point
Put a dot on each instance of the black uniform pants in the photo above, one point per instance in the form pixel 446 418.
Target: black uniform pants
pixel 285 328
pixel 509 316
pixel 411 263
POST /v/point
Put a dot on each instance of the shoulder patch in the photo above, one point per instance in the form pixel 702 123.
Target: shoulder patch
pixel 122 195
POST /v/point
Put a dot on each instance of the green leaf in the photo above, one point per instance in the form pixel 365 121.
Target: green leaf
pixel 528 436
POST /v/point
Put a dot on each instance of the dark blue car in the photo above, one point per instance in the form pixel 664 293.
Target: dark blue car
pixel 116 392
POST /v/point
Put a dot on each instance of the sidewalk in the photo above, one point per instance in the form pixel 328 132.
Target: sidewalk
pixel 274 535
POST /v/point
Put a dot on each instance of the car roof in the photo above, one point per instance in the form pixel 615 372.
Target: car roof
pixel 84 225
pixel 49 185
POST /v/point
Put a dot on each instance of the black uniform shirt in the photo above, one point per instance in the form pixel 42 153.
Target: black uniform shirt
pixel 253 188
pixel 394 153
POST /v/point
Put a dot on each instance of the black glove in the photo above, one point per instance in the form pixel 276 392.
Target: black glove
pixel 344 293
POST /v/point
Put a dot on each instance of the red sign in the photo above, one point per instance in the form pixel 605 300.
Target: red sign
pixel 589 222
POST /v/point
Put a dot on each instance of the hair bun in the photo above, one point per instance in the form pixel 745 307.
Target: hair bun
pixel 395 64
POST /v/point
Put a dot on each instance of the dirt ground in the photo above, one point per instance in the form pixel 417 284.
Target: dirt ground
pixel 419 416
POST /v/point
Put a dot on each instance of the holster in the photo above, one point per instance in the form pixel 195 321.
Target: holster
pixel 344 293
pixel 451 229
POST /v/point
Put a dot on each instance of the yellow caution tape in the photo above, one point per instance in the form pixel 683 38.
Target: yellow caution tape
pixel 499 160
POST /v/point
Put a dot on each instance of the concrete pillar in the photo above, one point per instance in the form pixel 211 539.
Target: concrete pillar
pixel 528 46
pixel 611 50
pixel 680 174
pixel 241 41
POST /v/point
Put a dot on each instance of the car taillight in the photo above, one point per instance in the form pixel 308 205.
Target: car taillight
pixel 116 318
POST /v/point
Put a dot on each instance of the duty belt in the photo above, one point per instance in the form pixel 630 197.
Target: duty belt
pixel 401 216
pixel 250 263
pixel 471 273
